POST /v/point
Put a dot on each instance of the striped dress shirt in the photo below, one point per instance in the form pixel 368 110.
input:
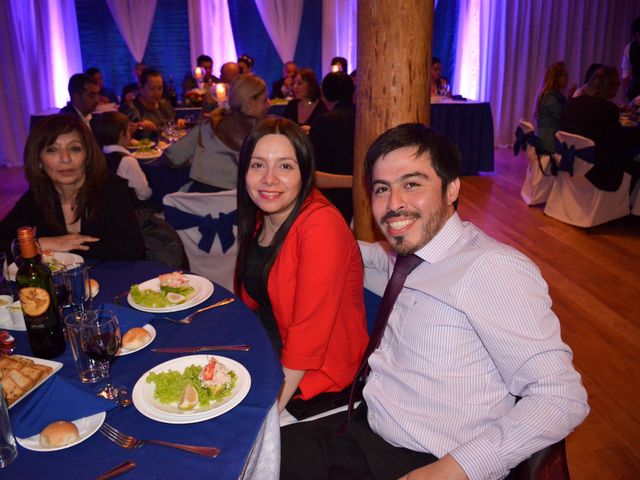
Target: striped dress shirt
pixel 471 330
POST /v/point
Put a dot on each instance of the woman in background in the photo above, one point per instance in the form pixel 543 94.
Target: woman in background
pixel 439 84
pixel 550 104
pixel 74 203
pixel 299 266
pixel 307 103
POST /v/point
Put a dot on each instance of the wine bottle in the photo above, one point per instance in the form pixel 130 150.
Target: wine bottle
pixel 38 300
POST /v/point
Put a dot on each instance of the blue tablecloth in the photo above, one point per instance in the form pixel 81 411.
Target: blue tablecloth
pixel 234 432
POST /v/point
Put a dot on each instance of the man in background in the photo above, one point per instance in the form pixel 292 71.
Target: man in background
pixel 283 87
pixel 107 95
pixel 84 93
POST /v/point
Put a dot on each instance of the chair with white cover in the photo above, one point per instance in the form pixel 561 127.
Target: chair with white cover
pixel 573 198
pixel 207 223
pixel 539 179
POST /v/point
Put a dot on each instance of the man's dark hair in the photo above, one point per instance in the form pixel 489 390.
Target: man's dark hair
pixel 342 62
pixel 435 60
pixel 146 73
pixel 444 154
pixel 591 70
pixel 92 71
pixel 337 87
pixel 77 83
pixel 203 58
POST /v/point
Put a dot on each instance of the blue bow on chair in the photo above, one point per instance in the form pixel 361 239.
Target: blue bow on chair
pixel 523 139
pixel 208 226
pixel 568 153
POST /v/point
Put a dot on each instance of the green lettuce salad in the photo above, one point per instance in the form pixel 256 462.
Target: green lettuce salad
pixel 165 297
pixel 171 384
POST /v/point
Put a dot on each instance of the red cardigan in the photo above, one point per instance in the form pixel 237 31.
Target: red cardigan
pixel 316 290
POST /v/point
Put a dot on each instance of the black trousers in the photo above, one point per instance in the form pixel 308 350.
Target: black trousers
pixel 314 451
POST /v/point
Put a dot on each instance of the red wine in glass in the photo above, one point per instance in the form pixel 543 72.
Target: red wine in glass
pixel 62 294
pixel 102 347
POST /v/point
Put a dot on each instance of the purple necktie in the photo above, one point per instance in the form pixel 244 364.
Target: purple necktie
pixel 403 267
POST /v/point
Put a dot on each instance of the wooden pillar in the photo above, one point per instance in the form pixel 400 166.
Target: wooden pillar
pixel 394 63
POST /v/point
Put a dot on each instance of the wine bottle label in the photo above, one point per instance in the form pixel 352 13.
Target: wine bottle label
pixel 35 301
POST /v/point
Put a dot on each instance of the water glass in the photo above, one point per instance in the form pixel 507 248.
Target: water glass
pixel 77 275
pixel 89 370
pixel 8 449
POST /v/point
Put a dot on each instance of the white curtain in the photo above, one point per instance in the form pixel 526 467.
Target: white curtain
pixel 282 20
pixel 134 19
pixel 210 32
pixel 505 47
pixel 41 50
pixel 339 32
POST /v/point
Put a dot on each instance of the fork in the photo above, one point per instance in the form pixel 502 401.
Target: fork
pixel 129 442
pixel 189 318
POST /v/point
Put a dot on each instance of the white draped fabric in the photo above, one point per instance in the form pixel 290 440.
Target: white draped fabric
pixel 339 32
pixel 41 50
pixel 134 19
pixel 505 47
pixel 210 32
pixel 282 20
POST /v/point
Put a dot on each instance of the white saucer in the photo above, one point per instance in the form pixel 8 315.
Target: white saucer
pixel 87 426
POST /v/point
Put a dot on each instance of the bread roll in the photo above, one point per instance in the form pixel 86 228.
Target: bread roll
pixel 59 434
pixel 95 286
pixel 135 338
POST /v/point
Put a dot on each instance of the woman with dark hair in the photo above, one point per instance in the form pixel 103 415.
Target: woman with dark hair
pixel 299 266
pixel 307 103
pixel 213 146
pixel 550 104
pixel 245 64
pixel 439 84
pixel 74 203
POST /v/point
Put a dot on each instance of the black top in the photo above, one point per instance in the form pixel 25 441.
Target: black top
pixel 115 224
pixel 291 111
pixel 256 287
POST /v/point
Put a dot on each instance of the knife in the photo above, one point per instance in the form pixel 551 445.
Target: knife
pixel 119 470
pixel 242 348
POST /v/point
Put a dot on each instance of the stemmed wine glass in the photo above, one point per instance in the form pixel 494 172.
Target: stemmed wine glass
pixel 100 339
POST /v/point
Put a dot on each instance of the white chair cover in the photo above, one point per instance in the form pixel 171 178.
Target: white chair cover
pixel 574 199
pixel 216 265
pixel 538 181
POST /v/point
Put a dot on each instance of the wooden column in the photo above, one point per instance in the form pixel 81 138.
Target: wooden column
pixel 394 63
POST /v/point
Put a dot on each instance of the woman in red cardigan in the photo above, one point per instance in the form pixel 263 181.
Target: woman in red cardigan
pixel 299 266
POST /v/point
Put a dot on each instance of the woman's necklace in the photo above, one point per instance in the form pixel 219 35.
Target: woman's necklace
pixel 307 102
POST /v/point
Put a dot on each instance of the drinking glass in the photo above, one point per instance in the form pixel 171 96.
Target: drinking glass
pixel 77 275
pixel 61 284
pixel 100 339
pixel 4 275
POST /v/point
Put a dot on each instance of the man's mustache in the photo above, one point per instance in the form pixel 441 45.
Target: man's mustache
pixel 399 213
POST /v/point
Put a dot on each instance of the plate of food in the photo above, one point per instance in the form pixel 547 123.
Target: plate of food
pixel 170 292
pixel 20 375
pixel 136 339
pixel 191 389
pixel 147 154
pixel 54 260
pixel 138 144
pixel 62 434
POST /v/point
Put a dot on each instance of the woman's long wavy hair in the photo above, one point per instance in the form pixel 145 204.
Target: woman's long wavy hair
pixel 551 81
pixel 250 218
pixel 242 88
pixel 44 134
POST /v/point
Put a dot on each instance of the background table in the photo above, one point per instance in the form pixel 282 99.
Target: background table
pixel 234 432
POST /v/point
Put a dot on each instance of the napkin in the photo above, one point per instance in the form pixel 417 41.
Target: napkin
pixel 57 399
pixel 128 317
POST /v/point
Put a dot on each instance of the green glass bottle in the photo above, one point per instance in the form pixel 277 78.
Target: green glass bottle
pixel 38 300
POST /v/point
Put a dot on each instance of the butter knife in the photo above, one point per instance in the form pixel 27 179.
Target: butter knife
pixel 241 348
pixel 119 470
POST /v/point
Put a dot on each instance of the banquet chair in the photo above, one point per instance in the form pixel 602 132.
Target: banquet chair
pixel 635 200
pixel 573 198
pixel 207 223
pixel 539 179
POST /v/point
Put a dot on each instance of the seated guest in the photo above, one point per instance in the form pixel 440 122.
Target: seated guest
pixel 73 201
pixel 213 146
pixel 439 84
pixel 332 135
pixel 150 110
pixel 245 64
pixel 339 64
pixel 228 72
pixel 132 90
pixel 111 130
pixel 587 76
pixel 107 95
pixel 190 82
pixel 298 263
pixel 84 93
pixel 283 88
pixel 596 117
pixel 550 104
pixel 465 326
pixel 307 103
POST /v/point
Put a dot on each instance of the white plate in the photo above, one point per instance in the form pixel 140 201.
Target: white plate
pixel 132 147
pixel 143 400
pixel 65 258
pixel 55 366
pixel 152 331
pixel 147 154
pixel 87 426
pixel 11 317
pixel 203 290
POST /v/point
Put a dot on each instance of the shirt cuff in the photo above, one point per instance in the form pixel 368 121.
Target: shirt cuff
pixel 479 460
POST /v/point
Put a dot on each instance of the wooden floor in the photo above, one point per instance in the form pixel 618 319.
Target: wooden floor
pixel 594 281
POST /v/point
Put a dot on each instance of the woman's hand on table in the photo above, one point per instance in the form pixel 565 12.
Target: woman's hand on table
pixel 68 242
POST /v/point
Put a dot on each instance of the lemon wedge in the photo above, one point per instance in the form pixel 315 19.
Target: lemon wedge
pixel 189 398
pixel 175 297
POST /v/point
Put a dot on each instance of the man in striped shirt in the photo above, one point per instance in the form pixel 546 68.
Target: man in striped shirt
pixel 471 330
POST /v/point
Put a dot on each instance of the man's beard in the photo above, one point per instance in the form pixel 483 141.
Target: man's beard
pixel 429 229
